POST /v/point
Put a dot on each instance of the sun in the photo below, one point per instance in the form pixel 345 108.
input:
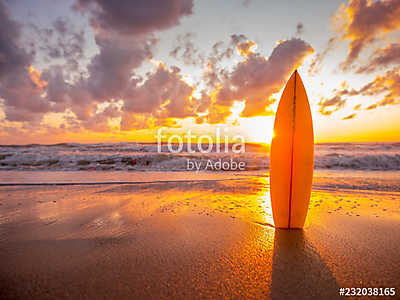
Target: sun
pixel 257 129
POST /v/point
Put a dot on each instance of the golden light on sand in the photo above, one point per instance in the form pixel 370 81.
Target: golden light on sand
pixel 265 202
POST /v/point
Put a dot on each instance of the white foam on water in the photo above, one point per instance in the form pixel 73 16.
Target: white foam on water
pixel 145 157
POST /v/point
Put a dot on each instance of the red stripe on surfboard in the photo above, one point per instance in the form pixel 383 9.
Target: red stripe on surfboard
pixel 292 150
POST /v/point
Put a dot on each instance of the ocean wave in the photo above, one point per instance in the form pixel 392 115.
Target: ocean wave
pixel 145 156
pixel 357 162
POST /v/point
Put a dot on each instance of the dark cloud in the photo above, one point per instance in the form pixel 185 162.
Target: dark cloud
pixel 111 70
pixel 381 58
pixel 20 86
pixel 57 88
pixel 61 26
pixel 123 33
pixel 61 42
pixel 331 105
pixel 299 28
pixel 109 88
pixel 186 51
pixel 111 73
pixel 362 22
pixel 132 17
pixel 164 94
pixel 13 58
pixel 213 74
pixel 100 121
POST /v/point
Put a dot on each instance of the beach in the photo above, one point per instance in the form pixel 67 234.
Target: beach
pixel 201 235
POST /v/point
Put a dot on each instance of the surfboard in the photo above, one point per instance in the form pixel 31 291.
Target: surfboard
pixel 292 156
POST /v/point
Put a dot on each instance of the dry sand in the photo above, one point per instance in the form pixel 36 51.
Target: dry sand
pixel 201 239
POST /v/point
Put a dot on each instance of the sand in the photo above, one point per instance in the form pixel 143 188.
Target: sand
pixel 193 239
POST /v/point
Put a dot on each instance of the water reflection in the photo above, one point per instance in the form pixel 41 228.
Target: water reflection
pixel 265 202
pixel 298 272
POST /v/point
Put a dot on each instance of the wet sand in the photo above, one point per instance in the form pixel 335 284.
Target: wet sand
pixel 199 239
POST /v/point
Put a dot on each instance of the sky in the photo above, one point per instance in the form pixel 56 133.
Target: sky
pixel 116 71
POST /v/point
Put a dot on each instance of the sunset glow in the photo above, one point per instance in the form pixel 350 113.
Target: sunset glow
pixel 95 79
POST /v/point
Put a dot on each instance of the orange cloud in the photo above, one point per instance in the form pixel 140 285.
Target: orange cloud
pixel 245 48
pixel 382 57
pixel 35 77
pixel 351 116
pixel 361 22
pixel 331 105
pixel 387 85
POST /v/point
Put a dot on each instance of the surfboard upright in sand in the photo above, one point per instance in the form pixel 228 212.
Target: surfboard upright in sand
pixel 292 156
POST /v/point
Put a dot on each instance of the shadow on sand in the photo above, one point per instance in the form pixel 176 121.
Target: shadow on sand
pixel 298 272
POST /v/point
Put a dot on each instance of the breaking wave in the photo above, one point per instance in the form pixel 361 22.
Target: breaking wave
pixel 145 156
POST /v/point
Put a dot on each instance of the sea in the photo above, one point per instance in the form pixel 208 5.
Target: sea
pixel 152 157
pixel 373 166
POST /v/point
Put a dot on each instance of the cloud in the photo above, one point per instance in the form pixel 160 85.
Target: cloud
pixel 131 121
pixel 331 105
pixel 246 3
pixel 20 86
pixel 61 41
pixel 299 28
pixel 246 48
pixel 316 63
pixel 123 33
pixel 186 51
pixel 256 78
pixel 111 70
pixel 381 58
pixel 362 22
pixel 387 86
pixel 164 94
pixel 372 106
pixel 349 117
pixel 12 56
pixel 100 121
pixel 213 74
pixel 133 17
pixel 108 90
pixel 124 44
